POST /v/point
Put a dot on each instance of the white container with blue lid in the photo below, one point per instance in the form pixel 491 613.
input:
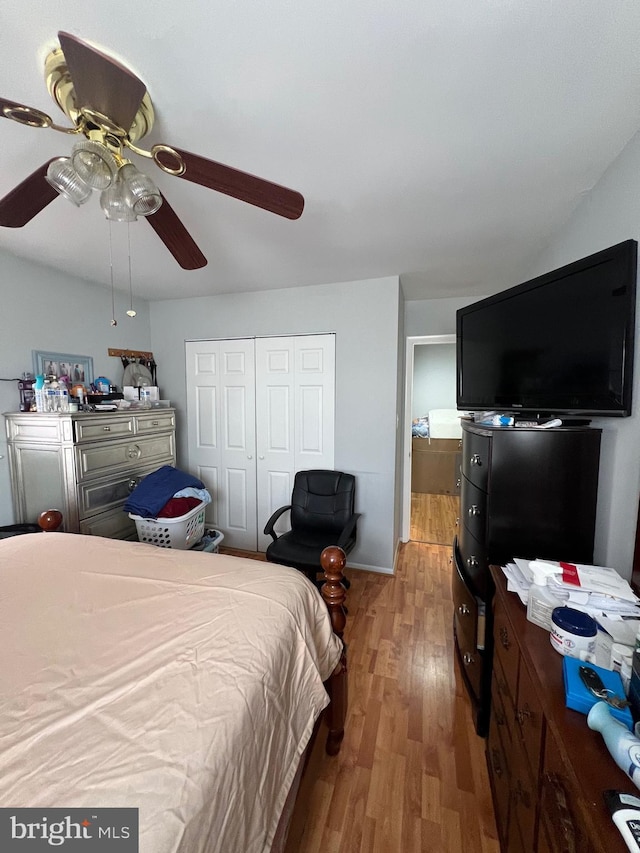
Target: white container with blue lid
pixel 573 633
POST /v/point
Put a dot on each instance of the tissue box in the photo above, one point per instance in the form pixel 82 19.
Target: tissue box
pixel 580 699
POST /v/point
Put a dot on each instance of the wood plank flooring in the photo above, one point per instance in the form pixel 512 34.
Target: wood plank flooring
pixel 411 774
pixel 433 518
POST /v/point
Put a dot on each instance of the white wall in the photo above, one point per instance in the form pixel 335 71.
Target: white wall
pixel 609 214
pixel 434 378
pixel 365 316
pixel 46 310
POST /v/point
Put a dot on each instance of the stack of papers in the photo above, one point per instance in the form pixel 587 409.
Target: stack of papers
pixel 597 590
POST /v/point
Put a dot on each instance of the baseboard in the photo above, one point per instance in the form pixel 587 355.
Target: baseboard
pixel 381 570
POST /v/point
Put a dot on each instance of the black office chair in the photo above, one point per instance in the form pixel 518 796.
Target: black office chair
pixel 321 514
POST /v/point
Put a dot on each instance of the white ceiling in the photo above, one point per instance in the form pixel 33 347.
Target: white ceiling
pixel 442 140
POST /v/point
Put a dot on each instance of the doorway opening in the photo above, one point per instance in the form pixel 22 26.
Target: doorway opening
pixel 432 441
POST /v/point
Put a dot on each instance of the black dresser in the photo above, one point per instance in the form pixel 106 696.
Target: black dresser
pixel 524 492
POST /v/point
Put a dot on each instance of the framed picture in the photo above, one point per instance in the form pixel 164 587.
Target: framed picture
pixel 79 368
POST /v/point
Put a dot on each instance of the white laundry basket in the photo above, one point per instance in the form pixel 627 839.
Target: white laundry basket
pixel 181 533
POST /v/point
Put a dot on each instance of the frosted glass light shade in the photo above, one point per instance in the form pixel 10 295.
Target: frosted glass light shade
pixel 94 163
pixel 144 194
pixel 65 180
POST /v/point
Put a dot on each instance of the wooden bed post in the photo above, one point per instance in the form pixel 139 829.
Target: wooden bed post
pixel 333 560
pixel 50 520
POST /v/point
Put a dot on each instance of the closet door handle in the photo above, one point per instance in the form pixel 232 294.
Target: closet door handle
pixel 249 457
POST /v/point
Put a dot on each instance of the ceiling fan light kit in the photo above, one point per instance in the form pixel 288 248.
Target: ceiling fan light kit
pixel 111 108
pixel 67 182
pixel 94 163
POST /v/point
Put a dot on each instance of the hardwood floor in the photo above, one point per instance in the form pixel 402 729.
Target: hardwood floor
pixel 433 518
pixel 411 774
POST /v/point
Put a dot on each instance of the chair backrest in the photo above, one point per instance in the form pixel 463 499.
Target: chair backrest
pixel 322 500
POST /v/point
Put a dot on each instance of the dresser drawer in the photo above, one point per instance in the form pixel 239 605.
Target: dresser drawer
pixel 498 764
pixel 465 610
pixel 476 459
pixel 100 459
pixel 96 427
pixel 473 509
pixel 506 649
pixel 473 559
pixel 154 421
pixel 561 807
pixel 113 524
pixel 529 719
pixel 98 495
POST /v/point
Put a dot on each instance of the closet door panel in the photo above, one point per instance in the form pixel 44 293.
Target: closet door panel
pixel 221 433
pixel 315 401
pixel 275 412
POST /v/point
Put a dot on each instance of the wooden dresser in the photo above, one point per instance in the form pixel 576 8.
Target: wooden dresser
pixel 86 464
pixel 525 492
pixel 546 767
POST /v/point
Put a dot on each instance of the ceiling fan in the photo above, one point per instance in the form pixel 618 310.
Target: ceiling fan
pixel 110 110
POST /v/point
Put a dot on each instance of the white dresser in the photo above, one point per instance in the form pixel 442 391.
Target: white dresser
pixel 86 464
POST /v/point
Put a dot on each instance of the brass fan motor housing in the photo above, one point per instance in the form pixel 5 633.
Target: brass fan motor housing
pixel 61 89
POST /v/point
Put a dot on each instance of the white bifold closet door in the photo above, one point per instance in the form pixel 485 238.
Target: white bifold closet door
pixel 258 410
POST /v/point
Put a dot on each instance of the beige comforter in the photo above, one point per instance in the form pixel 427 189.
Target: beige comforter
pixel 185 684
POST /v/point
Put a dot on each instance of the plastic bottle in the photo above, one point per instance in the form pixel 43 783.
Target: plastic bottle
pixel 623 745
pixel 541 602
pixel 39 392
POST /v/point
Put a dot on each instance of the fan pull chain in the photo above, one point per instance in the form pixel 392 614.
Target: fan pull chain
pixel 114 322
pixel 130 312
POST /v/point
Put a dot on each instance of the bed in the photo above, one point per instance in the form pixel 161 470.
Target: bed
pixel 184 684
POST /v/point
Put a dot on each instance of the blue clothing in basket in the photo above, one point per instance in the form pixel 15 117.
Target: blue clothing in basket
pixel 153 492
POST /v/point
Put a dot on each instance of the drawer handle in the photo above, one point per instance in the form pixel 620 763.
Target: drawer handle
pixel 463 610
pixel 523 714
pixel 134 452
pixel 476 460
pixel 154 423
pixel 106 428
pixel 133 482
pixel 495 760
pixel 504 638
pixel 474 509
pixel 554 790
pixel 473 562
pixel 467 659
pixel 521 793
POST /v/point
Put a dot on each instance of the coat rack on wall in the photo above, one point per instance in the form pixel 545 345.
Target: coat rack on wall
pixel 136 356
pixel 131 353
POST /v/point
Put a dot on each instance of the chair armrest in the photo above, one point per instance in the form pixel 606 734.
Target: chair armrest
pixel 348 529
pixel 268 528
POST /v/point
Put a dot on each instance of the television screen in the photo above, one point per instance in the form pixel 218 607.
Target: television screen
pixel 561 343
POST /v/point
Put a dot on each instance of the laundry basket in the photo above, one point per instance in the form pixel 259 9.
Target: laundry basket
pixel 181 533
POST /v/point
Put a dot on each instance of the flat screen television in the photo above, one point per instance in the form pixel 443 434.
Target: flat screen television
pixel 560 344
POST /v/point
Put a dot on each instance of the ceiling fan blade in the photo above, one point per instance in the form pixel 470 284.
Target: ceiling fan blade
pixel 167 225
pixel 233 182
pixel 101 83
pixel 27 199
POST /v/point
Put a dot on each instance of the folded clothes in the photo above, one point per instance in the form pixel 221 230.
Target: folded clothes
pixel 175 507
pixel 153 492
